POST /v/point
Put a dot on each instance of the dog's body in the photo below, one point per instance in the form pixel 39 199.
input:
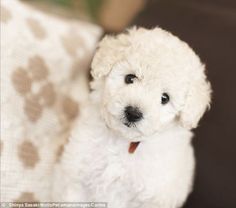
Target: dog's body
pixel 131 146
pixel 98 167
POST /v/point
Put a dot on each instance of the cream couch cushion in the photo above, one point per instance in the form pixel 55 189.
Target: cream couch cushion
pixel 44 66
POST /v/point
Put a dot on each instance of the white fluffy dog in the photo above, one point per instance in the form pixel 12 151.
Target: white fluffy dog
pixel 131 146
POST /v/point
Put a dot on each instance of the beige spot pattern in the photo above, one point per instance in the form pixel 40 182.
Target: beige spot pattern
pixel 70 108
pixel 36 74
pixel 32 108
pixel 47 94
pixel 80 65
pixel 59 153
pixel 5 14
pixel 21 81
pixel 27 197
pixel 28 154
pixel 71 42
pixel 36 28
pixel 38 68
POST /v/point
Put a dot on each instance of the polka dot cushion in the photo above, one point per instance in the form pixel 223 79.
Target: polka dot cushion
pixel 44 66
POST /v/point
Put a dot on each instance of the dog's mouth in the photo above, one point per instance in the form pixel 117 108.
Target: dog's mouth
pixel 133 146
pixel 129 124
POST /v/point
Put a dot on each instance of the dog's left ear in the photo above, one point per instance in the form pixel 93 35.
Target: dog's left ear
pixel 197 102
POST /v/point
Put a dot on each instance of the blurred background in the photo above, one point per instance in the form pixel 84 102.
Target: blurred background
pixel 209 26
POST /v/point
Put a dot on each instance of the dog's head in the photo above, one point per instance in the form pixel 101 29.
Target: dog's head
pixel 148 80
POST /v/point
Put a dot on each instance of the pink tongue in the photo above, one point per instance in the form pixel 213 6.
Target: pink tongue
pixel 133 146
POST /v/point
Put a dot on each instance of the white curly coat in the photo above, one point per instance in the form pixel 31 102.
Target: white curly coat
pixel 96 164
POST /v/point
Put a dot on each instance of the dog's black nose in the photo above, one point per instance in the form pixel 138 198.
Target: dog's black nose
pixel 133 114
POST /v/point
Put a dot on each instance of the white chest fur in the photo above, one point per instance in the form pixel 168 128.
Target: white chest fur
pixel 98 167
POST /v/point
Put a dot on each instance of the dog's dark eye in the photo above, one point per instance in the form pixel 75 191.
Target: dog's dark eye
pixel 129 78
pixel 165 98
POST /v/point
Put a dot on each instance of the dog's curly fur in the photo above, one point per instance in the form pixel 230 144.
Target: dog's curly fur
pixel 96 165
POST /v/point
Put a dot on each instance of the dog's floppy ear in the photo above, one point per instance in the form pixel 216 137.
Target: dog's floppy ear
pixel 101 65
pixel 110 51
pixel 197 102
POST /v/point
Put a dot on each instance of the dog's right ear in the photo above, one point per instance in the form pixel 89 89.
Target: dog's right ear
pixel 108 53
pixel 197 102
